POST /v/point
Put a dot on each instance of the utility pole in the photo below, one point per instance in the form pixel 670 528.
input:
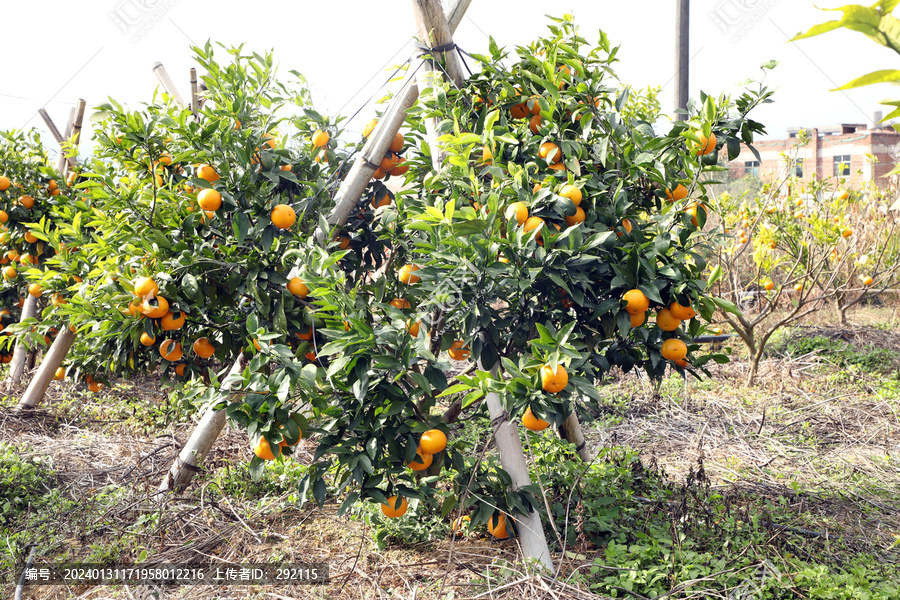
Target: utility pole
pixel 682 54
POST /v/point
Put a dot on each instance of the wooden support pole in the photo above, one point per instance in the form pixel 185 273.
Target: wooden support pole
pixel 51 126
pixel 204 435
pixel 570 431
pixel 682 56
pixel 61 162
pixel 195 101
pixel 433 30
pixel 361 172
pixel 47 371
pixel 167 83
pixel 17 365
pixel 75 138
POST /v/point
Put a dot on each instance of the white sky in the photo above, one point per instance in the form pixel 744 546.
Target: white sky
pixel 55 51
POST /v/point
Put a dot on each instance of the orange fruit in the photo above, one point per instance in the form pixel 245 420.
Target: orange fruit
pixel 208 173
pixel 666 321
pixel 397 143
pixel 532 223
pixel 320 138
pixel 4 184
pixel 457 351
pixel 400 303
pixel 26 201
pixel 421 462
pixel 60 374
pixel 577 218
pixel 263 449
pixel 145 287
pixel 638 319
pixel 636 302
pixel 550 152
pixel 432 441
pixel 843 195
pixel 692 210
pixel 847 232
pixel 406 274
pixel 626 225
pixel 572 193
pixel 155 308
pixel 487 157
pixel 394 508
pixel 459 525
pixel 35 290
pixel 59 300
pixel 343 242
pixel 147 339
pixel 554 382
pixel 179 369
pixel 27 259
pixel 673 349
pixel 297 287
pixel 383 201
pixel 534 124
pixel 9 272
pixel 497 526
pixel 679 193
pixel 286 168
pixel 867 281
pixel 30 238
pixel 370 126
pixel 681 362
pixel 413 328
pixel 284 444
pixel 769 286
pixel 519 111
pixel 3 216
pixel 400 168
pixel 517 210
pixel 203 348
pixel 170 322
pixel 681 312
pixel 529 421
pixel 283 216
pixel 209 199
pixel 305 336
pixel 171 350
pixel 95 386
pixel 707 144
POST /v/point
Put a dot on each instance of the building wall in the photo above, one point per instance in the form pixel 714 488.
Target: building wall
pixel 820 151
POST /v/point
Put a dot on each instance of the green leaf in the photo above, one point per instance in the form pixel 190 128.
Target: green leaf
pixel 883 76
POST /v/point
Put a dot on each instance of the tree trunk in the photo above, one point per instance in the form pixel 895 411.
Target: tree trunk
pixel 188 461
pixel 17 365
pixel 45 373
pixel 570 431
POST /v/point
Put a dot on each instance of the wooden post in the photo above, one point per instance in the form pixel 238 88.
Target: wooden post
pixel 17 365
pixel 195 103
pixel 682 56
pixel 75 137
pixel 570 431
pixel 61 163
pixel 361 172
pixel 167 83
pixel 47 371
pixel 199 444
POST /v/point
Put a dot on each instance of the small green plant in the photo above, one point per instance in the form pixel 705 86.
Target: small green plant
pixel 23 483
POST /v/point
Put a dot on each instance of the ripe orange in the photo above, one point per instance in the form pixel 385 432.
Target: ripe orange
pixel 95 386
pixel 208 173
pixel 60 374
pixel 529 421
pixel 155 308
pixel 286 168
pixel 170 322
pixel 517 210
pixel 843 195
pixel 572 193
pixel 666 321
pixel 682 312
pixel 638 319
pixel 432 441
pixel 9 272
pixel 3 216
pixel 554 382
pixel 171 350
pixel 577 218
pixel 497 526
pixel 147 339
pixel 847 232
pixel 406 274
pixel 179 369
pixel 297 287
pixel 769 286
pixel 459 525
pixel 28 259
pixel 343 242
pixel 636 302
pixel 532 223
pixel 320 138
pixel 681 362
pixel 534 124
pixel 26 201
pixel 4 184
pixel 284 444
pixel 209 199
pixel 867 281
pixel 283 216
pixel 400 168
pixel 263 449
pixel 145 287
pixel 673 349
pixel 679 193
pixel 457 351
pixel 383 201
pixel 35 290
pixel 394 507
pixel 707 145
pixel 421 462
pixel 397 143
pixel 798 287
pixel 400 303
pixel 203 348
pixel 30 238
pixel 519 111
pixel 414 328
pixel 692 210
pixel 305 336
pixel 550 152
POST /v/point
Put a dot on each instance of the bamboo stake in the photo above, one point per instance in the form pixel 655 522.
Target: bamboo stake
pixel 51 126
pixel 199 444
pixel 75 137
pixel 195 102
pixel 570 431
pixel 434 31
pixel 361 172
pixel 167 83
pixel 17 365
pixel 47 371
pixel 62 161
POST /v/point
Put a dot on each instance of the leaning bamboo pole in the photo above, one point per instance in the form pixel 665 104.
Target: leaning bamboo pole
pixel 160 71
pixel 204 435
pixel 46 372
pixel 17 365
